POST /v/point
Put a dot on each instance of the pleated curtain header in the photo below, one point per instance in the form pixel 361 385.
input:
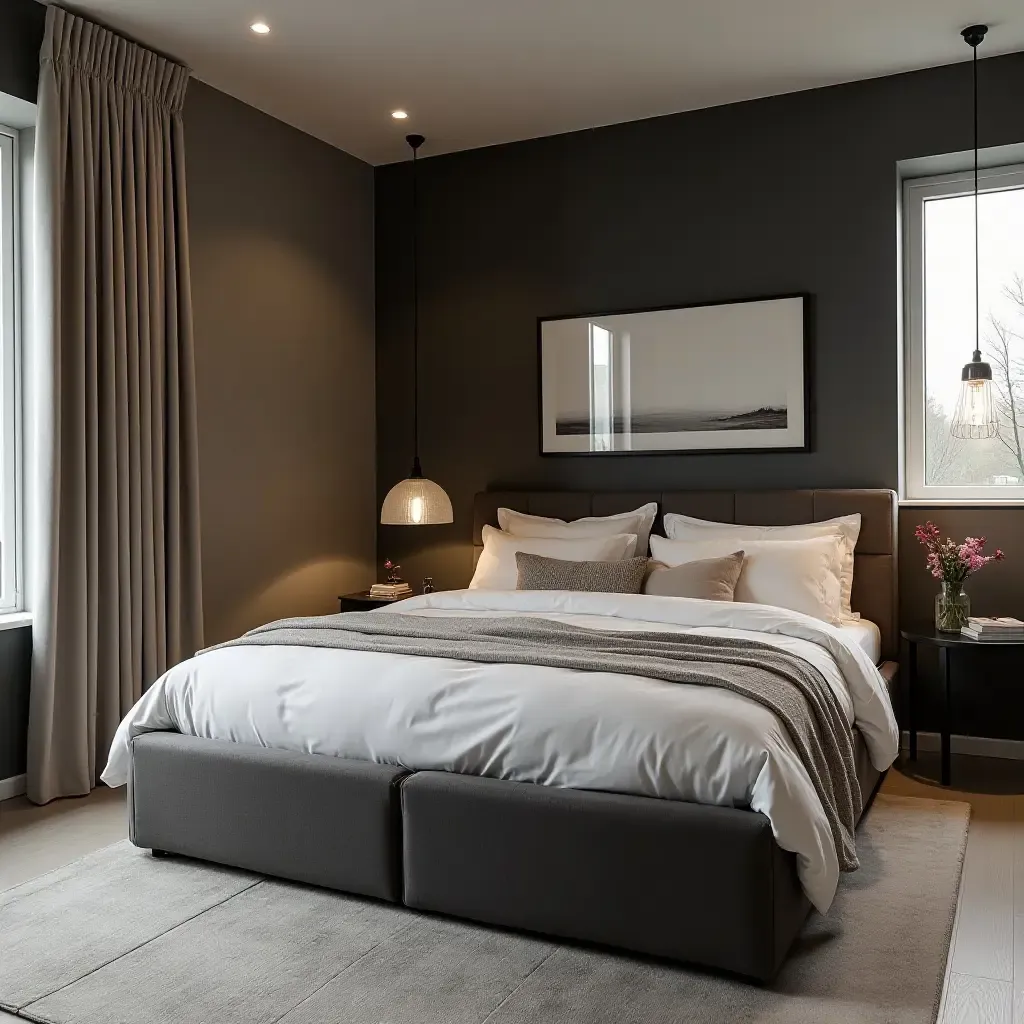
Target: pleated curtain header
pixel 89 49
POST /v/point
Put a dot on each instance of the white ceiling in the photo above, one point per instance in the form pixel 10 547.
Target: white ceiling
pixel 477 72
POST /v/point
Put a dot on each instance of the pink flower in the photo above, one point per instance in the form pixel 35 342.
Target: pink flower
pixel 952 562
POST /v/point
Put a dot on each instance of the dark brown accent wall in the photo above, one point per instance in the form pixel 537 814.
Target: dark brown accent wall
pixel 21 35
pixel 15 667
pixel 780 195
pixel 282 282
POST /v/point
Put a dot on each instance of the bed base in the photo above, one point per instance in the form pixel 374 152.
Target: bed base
pixel 697 884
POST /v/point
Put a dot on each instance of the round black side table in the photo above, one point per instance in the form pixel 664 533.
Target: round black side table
pixel 946 643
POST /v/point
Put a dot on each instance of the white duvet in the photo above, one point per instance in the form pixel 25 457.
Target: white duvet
pixel 554 726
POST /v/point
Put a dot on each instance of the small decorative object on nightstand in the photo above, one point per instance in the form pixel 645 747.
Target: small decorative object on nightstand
pixel 952 563
pixel 946 642
pixel 395 587
pixel 428 584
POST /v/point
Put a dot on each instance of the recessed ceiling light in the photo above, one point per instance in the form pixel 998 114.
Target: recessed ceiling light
pixel 261 28
pixel 399 115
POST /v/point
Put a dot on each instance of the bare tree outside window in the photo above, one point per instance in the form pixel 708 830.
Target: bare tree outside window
pixel 1005 345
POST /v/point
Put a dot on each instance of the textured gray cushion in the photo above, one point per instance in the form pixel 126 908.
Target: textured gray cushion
pixel 539 573
pixel 710 579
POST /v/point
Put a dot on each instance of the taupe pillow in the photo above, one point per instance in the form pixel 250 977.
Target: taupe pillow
pixel 536 572
pixel 710 579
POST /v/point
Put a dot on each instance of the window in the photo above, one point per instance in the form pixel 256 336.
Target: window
pixel 10 391
pixel 940 329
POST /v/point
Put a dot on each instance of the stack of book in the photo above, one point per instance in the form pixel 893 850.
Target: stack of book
pixel 391 591
pixel 1000 628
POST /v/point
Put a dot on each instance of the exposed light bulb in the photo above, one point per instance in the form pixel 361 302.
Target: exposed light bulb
pixel 261 28
pixel 416 510
pixel 975 415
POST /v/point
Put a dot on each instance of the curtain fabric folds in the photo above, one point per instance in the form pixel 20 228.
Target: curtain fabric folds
pixel 113 533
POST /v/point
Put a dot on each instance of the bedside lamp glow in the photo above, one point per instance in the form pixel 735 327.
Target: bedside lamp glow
pixel 415 501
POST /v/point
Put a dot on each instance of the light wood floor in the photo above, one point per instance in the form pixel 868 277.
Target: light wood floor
pixel 985 974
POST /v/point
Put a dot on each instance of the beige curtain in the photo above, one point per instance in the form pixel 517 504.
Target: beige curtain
pixel 114 578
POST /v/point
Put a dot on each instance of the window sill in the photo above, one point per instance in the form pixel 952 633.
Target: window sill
pixel 962 502
pixel 15 620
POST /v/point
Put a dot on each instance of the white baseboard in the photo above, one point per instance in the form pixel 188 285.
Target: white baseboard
pixel 10 788
pixel 979 746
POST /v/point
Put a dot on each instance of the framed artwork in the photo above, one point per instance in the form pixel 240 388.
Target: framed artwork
pixel 727 377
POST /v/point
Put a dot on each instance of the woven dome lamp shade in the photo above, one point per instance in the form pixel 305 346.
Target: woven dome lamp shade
pixel 415 501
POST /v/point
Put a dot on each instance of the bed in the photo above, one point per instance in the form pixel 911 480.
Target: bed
pixel 695 882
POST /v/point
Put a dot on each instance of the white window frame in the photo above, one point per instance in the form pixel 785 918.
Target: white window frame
pixel 916 192
pixel 11 591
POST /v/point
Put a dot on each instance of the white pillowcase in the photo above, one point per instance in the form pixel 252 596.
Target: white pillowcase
pixel 679 527
pixel 801 575
pixel 496 569
pixel 639 521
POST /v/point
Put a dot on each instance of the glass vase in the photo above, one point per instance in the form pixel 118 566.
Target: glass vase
pixel 952 608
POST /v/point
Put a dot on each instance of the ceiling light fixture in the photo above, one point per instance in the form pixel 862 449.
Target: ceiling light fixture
pixel 261 28
pixel 399 115
pixel 975 415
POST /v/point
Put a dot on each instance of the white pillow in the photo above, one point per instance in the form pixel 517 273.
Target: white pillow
pixel 639 521
pixel 678 527
pixel 496 569
pixel 801 575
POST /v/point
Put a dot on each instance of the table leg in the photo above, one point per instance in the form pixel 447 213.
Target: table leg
pixel 947 713
pixel 911 703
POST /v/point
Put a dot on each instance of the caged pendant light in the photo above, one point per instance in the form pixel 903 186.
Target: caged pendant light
pixel 415 501
pixel 975 415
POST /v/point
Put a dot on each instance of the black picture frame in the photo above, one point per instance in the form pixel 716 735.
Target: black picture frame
pixel 807 369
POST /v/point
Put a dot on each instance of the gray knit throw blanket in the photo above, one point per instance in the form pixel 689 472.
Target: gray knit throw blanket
pixel 786 685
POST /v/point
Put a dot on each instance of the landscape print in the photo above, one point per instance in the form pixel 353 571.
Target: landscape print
pixel 765 418
pixel 696 378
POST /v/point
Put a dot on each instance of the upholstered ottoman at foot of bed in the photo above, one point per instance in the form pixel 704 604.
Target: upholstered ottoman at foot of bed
pixel 315 819
pixel 698 884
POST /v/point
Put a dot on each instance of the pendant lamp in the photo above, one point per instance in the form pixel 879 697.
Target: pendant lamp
pixel 415 501
pixel 975 415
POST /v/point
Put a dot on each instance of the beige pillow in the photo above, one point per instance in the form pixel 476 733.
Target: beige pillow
pixel 709 579
pixel 496 569
pixel 678 527
pixel 639 521
pixel 802 575
pixel 539 573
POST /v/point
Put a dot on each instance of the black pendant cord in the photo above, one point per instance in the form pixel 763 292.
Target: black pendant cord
pixel 977 251
pixel 973 35
pixel 415 141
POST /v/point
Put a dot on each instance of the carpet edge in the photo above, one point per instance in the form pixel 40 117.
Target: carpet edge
pixel 962 853
pixel 63 867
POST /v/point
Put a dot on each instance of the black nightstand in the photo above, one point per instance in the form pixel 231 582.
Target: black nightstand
pixel 945 642
pixel 362 602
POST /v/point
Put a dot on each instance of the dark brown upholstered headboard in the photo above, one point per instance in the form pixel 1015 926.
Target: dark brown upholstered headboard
pixel 874 580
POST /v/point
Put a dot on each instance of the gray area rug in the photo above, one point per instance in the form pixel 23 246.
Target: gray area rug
pixel 122 936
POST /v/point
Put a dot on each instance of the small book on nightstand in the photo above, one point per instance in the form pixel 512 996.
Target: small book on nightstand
pixel 993 628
